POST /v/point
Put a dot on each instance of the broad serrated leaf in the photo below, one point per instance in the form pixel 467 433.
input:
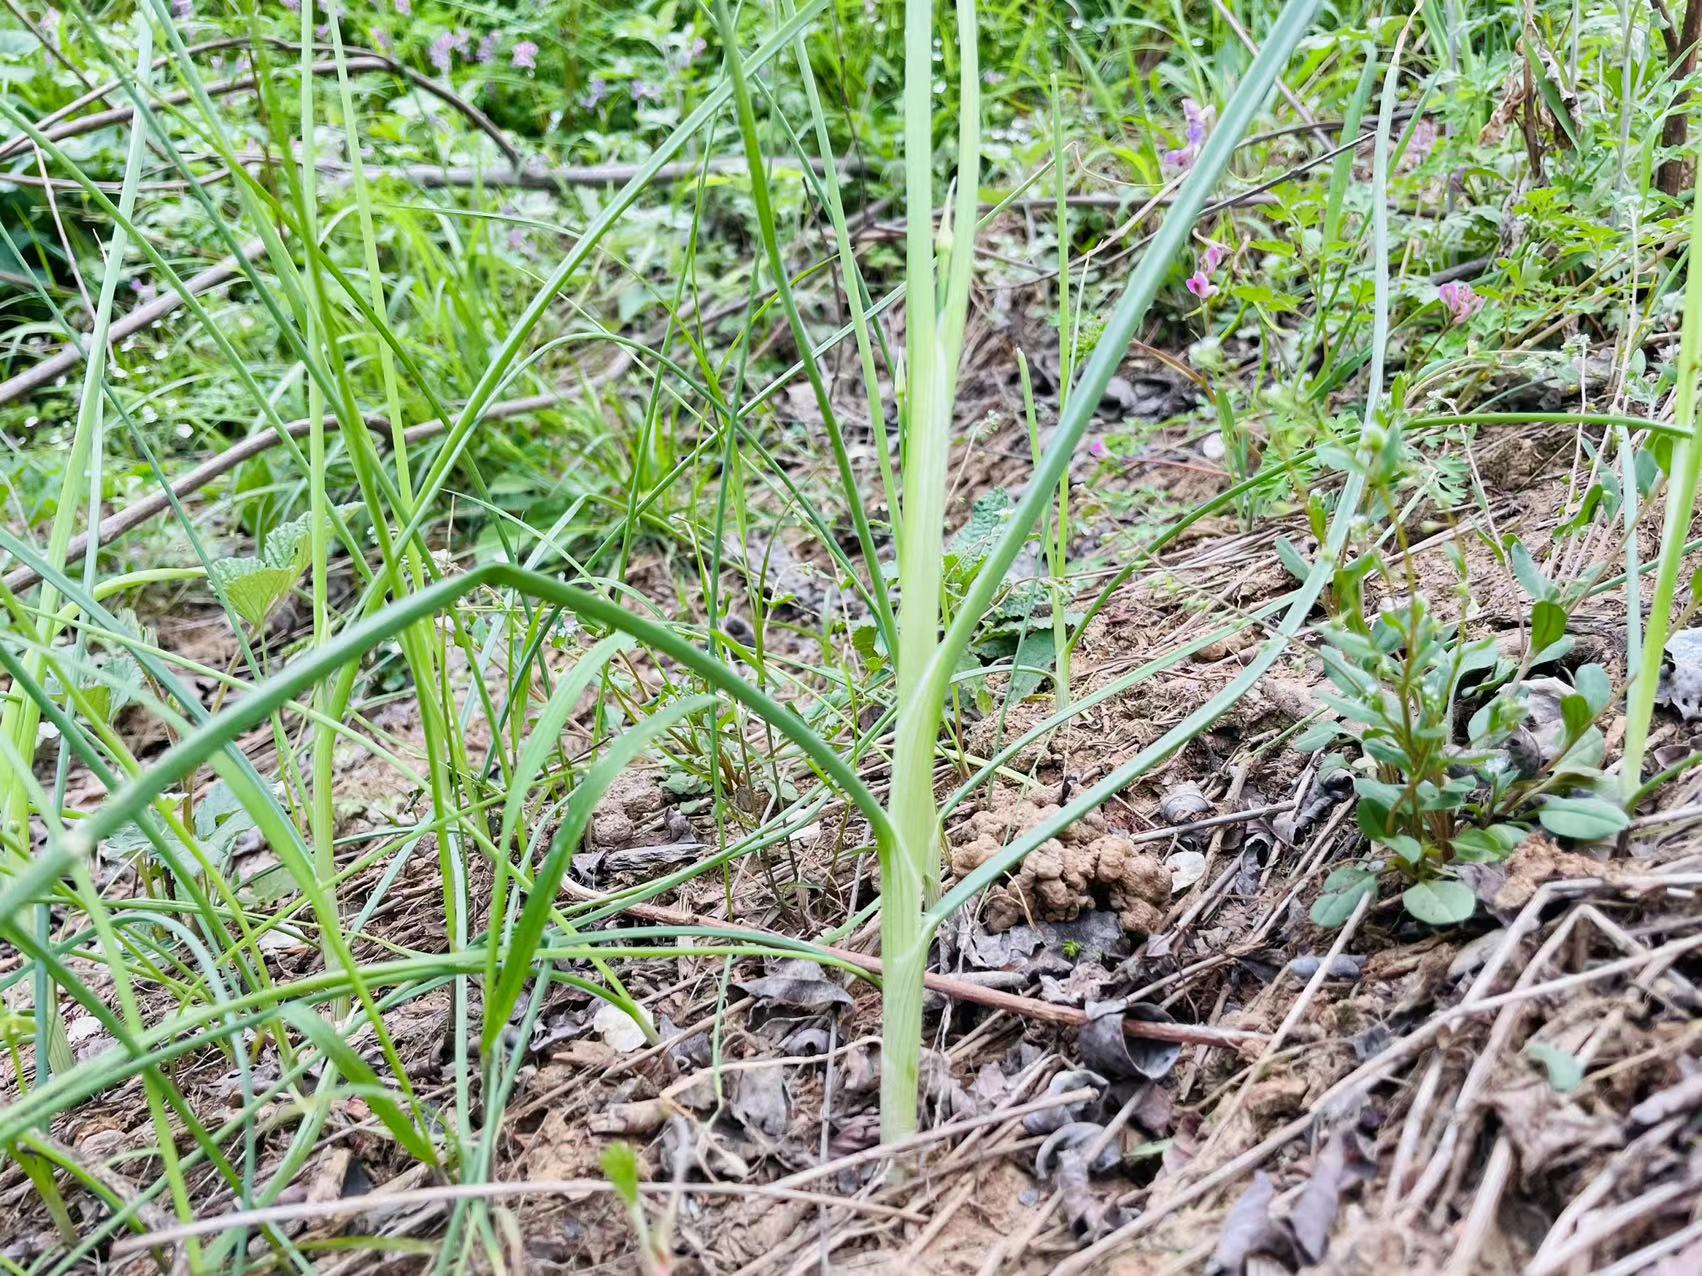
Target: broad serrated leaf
pixel 253 589
pixel 987 518
pixel 1035 657
pixel 220 819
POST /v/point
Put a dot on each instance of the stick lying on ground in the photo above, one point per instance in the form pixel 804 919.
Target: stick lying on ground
pixel 224 462
pixel 70 354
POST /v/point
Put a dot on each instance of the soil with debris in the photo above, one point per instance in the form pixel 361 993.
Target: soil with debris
pixel 1143 1056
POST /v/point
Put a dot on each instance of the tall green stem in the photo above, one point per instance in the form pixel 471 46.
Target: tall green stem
pixel 1681 503
pixel 910 878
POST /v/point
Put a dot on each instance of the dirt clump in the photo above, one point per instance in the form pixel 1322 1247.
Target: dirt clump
pixel 1084 866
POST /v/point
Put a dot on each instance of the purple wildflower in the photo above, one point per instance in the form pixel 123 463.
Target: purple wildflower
pixel 1215 253
pixel 525 57
pixel 699 46
pixel 294 6
pixel 1423 141
pixel 183 10
pixel 145 291
pixel 380 39
pixel 642 92
pixel 1200 284
pixel 487 48
pixel 443 52
pixel 1097 450
pixel 1198 120
pixel 594 94
pixel 404 7
pixel 1461 299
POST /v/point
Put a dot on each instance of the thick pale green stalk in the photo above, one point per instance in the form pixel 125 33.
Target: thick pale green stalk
pixel 910 876
pixel 1681 502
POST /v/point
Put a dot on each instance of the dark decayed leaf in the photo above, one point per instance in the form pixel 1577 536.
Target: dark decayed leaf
pixel 796 985
pixel 1075 1138
pixel 1063 1158
pixel 1049 1119
pixel 1340 1164
pixel 759 1101
pixel 1301 1236
pixel 1184 804
pixel 1248 1229
pixel 1106 1048
pixel 1046 947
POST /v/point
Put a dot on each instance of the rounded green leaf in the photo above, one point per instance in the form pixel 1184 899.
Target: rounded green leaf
pixel 1440 903
pixel 1584 819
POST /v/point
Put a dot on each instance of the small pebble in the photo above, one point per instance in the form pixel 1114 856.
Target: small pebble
pixel 1341 967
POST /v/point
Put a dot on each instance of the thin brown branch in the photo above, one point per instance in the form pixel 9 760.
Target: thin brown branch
pixel 71 353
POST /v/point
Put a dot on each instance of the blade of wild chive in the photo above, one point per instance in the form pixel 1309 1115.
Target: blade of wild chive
pixel 544 740
pixel 210 737
pixel 851 278
pixel 522 943
pixel 789 305
pixel 362 1079
pixel 1680 504
pixel 491 380
pixel 21 720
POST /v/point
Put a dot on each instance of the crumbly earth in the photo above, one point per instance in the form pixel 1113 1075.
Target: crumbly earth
pixel 1083 867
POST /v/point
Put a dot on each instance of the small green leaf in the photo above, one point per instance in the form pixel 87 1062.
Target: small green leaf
pixel 1409 850
pixel 1292 560
pixel 1548 624
pixel 1343 889
pixel 1576 713
pixel 1487 845
pixel 1526 570
pixel 1441 902
pixel 1594 685
pixel 1565 1071
pixel 1584 819
pixel 620 1167
pixel 1318 736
